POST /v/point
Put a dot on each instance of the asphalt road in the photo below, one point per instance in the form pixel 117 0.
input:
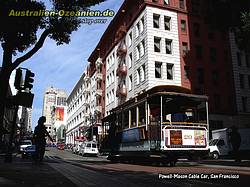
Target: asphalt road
pixel 98 171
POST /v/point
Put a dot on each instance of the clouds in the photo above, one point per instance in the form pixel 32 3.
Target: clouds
pixel 62 66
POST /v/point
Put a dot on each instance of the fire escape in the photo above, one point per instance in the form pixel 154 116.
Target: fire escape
pixel 121 72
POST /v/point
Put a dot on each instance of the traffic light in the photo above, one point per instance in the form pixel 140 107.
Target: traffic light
pixel 18 79
pixel 29 79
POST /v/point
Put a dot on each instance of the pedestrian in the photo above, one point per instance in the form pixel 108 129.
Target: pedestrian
pixel 40 134
pixel 235 140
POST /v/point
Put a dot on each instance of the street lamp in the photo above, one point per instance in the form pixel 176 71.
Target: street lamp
pixel 92 121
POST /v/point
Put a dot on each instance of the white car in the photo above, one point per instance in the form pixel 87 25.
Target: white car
pixel 89 148
pixel 24 144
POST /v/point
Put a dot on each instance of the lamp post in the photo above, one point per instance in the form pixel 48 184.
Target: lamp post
pixel 92 121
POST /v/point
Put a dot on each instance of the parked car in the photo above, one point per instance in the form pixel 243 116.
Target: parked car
pixel 60 146
pixel 220 145
pixel 89 148
pixel 29 151
pixel 24 144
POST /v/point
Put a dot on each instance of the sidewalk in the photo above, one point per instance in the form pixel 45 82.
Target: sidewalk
pixel 23 173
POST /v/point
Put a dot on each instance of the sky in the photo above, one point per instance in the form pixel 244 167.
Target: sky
pixel 61 66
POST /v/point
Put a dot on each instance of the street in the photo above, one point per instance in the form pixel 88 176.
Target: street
pixel 98 171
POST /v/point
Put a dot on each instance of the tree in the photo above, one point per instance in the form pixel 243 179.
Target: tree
pixel 19 34
pixel 243 32
pixel 229 14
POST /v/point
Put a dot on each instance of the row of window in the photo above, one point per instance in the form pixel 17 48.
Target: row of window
pixel 240 62
pixel 139 28
pixel 245 106
pixel 140 50
pixel 77 119
pixel 199 53
pixel 140 77
pixel 110 97
pixel 197 31
pixel 75 98
pixel 61 101
pixel 110 60
pixel 110 79
pixel 158 45
pixel 243 81
pixel 157 22
pixel 159 70
pixel 167 23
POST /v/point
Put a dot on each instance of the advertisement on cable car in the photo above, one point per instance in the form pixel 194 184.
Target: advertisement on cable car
pixel 187 137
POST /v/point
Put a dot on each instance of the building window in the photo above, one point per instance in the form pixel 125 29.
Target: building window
pixel 247 60
pixel 242 81
pixel 170 71
pixel 186 72
pixel 155 1
pixel 130 60
pixel 130 83
pixel 183 25
pixel 195 6
pixel 166 2
pixel 143 75
pixel 213 55
pixel 137 52
pixel 142 48
pixel 138 76
pixel 197 29
pixel 244 103
pixel 108 98
pixel 215 78
pixel 113 76
pixel 130 39
pixel 200 74
pixel 198 51
pixel 217 101
pixel 181 4
pixel 113 95
pixel 239 58
pixel 157 44
pixel 158 73
pixel 184 48
pixel 249 81
pixel 168 44
pixel 141 24
pixel 167 22
pixel 108 81
pixel 156 21
pixel 108 64
pixel 137 30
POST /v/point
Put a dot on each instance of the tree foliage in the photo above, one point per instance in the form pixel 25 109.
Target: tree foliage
pixel 243 32
pixel 229 15
pixel 20 33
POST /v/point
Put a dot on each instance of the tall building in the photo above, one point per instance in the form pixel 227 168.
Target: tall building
pixel 54 109
pixel 241 74
pixel 84 108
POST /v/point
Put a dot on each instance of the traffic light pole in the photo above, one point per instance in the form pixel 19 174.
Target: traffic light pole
pixel 8 156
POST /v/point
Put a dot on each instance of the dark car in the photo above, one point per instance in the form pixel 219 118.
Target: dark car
pixel 29 151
